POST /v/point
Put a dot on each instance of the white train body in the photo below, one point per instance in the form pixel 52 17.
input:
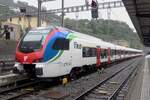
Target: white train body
pixel 62 50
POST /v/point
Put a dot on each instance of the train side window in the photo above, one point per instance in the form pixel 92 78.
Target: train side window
pixel 112 52
pixel 88 52
pixel 93 52
pixel 118 52
pixel 61 44
pixel 85 52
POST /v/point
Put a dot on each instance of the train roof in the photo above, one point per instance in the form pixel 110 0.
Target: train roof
pixel 92 39
pixel 103 43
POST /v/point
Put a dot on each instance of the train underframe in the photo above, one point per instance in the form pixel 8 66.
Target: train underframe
pixel 31 71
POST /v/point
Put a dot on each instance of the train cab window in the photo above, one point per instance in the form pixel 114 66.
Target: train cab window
pixel 34 40
pixel 61 44
pixel 30 43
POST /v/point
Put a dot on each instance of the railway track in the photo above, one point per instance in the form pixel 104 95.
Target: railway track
pixel 110 87
pixel 100 91
pixel 77 87
pixel 24 88
pixel 12 93
pixel 7 60
pixel 4 63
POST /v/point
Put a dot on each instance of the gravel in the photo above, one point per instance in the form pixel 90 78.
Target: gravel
pixel 76 87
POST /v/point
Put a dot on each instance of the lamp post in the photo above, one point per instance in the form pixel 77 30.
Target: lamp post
pixel 77 15
pixel 62 14
pixel 39 11
pixel 108 15
pixel 29 20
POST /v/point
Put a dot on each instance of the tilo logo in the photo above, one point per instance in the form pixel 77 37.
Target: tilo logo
pixel 25 58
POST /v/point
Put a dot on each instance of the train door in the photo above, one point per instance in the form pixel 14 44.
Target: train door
pixel 108 51
pixel 98 60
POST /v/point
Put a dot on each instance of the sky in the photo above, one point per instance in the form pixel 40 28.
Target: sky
pixel 116 13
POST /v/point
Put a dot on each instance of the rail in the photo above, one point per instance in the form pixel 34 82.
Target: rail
pixel 114 95
pixel 81 96
pixel 5 92
pixel 7 60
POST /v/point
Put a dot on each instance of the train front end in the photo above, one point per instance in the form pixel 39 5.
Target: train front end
pixel 30 52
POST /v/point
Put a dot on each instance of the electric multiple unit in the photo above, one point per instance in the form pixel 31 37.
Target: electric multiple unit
pixel 54 51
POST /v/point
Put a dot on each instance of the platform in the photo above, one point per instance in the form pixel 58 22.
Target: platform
pixel 11 78
pixel 145 92
pixel 140 88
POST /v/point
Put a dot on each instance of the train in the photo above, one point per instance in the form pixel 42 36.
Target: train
pixel 49 52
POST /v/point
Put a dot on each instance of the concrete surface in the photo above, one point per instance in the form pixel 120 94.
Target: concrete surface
pixel 136 87
pixel 140 88
pixel 145 93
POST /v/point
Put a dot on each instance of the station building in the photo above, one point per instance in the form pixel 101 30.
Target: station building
pixel 21 23
pixel 122 43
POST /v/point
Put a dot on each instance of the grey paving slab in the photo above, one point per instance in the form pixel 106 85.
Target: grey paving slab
pixel 145 93
pixel 134 92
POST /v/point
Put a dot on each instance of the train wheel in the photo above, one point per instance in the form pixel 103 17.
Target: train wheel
pixel 15 70
pixel 73 74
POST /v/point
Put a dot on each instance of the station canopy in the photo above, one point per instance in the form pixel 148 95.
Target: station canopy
pixel 139 12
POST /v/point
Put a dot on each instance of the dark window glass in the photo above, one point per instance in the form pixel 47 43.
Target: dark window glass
pixel 88 52
pixel 122 52
pixel 112 52
pixel 104 53
pixel 61 44
pixel 33 40
pixel 31 43
pixel 30 46
pixel 94 52
pixel 118 52
pixel 126 52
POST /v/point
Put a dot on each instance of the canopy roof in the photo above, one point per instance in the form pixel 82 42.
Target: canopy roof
pixel 139 12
